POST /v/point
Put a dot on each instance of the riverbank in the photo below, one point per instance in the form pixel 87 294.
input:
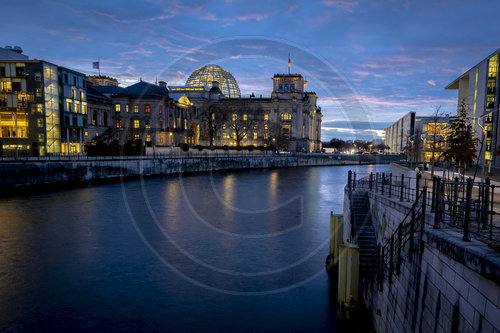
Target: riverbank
pixel 14 174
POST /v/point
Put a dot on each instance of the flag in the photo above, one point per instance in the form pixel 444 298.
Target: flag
pixel 288 60
pixel 95 65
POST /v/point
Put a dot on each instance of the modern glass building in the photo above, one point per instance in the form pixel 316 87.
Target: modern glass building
pixel 207 75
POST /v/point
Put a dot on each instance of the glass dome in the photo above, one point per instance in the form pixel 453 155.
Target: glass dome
pixel 204 76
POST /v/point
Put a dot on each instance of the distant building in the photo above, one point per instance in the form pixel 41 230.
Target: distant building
pixel 478 89
pixel 421 138
pixel 12 53
pixel 100 114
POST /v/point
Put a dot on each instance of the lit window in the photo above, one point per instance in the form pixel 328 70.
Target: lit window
pixel 73 93
pixel 148 138
pixel 118 123
pixel 245 117
pixel 185 124
pixel 86 133
pixel 40 137
pixel 224 135
pixel 161 109
pixel 185 139
pixel 39 108
pixel 117 107
pixel 97 134
pixel 136 137
pixel 255 135
pixel 234 135
pixel 82 96
pixel 266 117
pixel 126 108
pixel 136 108
pixel 39 122
pixel 147 123
pixel 223 126
pixel 286 116
pixel 148 108
pixel 265 136
pixel 235 116
pixel 136 123
pixel 213 116
pixel 266 127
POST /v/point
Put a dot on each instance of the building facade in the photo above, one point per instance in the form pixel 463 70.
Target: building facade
pixel 100 114
pixel 289 119
pixel 478 92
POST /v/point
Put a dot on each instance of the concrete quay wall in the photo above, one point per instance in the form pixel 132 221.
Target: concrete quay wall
pixel 451 286
pixel 33 172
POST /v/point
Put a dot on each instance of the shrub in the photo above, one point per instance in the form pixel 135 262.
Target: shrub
pixel 185 147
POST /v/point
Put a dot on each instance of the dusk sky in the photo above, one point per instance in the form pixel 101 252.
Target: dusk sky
pixel 370 62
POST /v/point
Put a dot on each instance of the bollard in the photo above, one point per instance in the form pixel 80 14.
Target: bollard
pixel 466 237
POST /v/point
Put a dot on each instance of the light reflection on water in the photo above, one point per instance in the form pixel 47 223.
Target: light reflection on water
pixel 72 259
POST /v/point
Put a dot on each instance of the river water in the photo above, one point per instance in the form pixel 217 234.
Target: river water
pixel 227 251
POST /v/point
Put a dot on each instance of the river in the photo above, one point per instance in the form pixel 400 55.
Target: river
pixel 227 251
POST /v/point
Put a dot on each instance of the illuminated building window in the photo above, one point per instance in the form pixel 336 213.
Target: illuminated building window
pixel 285 116
pixel 82 96
pixel 136 137
pixel 161 109
pixel 234 135
pixel 6 86
pixel 185 124
pixel 39 122
pixel 245 117
pixel 118 123
pixel 136 123
pixel 86 133
pixel 148 108
pixel 126 107
pixel 38 92
pixel 266 136
pixel 13 125
pixel 117 107
pixel 73 93
pixel 235 116
pixel 255 135
pixel 148 138
pixel 224 135
pixel 213 116
pixel 147 123
pixel 266 127
pixel 136 108
pixel 265 145
pixel 255 126
pixel 40 138
pixel 266 117
pixel 84 108
pixel 97 134
pixel 185 139
pixel 223 126
pixel 77 107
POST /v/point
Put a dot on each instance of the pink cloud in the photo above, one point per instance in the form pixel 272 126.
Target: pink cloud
pixel 342 4
pixel 431 82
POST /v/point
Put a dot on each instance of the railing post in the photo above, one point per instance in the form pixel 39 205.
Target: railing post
pixel 383 178
pixel 349 180
pixel 371 180
pixel 486 198
pixel 491 215
pixel 455 202
pixel 412 230
pixel 354 180
pixel 400 245
pixel 437 208
pixel 466 237
pixel 376 183
pixel 391 262
pixel 422 219
pixel 433 203
pixel 390 185
pixel 402 187
pixel 417 186
pixel 381 268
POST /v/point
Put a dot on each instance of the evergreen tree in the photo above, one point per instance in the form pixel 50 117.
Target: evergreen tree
pixel 461 142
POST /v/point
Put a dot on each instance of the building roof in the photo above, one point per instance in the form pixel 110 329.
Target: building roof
pixel 12 53
pixel 288 75
pixel 207 75
pixel 112 90
pixel 145 89
pixel 94 94
pixel 454 84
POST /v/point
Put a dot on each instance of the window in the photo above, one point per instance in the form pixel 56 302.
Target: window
pixel 266 127
pixel 235 116
pixel 126 108
pixel 40 138
pixel 286 87
pixel 69 106
pixel 82 96
pixel 148 108
pixel 74 81
pixel 266 136
pixel 223 126
pixel 136 137
pixel 86 133
pixel 224 135
pixel 6 86
pixel 38 92
pixel 266 117
pixel 281 87
pixel 213 116
pixel 136 108
pixel 84 83
pixel 73 93
pixel 20 70
pixel 136 123
pixel 245 117
pixel 84 108
pixel 255 135
pixel 66 78
pixel 285 116
pixel 292 87
pixel 38 77
pixel 2 70
pixel 117 107
pixel 234 135
pixel 161 109
pixel 148 138
pixel 147 123
pixel 185 124
pixel 39 122
pixel 118 123
pixel 255 126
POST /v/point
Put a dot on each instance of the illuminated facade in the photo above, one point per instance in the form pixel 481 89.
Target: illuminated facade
pixel 29 108
pixel 289 119
pixel 478 89
pixel 207 75
pixel 73 106
pixel 147 112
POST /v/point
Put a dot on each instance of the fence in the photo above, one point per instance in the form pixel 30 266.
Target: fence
pixel 467 205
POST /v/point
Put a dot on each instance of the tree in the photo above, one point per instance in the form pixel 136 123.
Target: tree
pixel 462 144
pixel 338 144
pixel 436 141
pixel 239 123
pixel 212 118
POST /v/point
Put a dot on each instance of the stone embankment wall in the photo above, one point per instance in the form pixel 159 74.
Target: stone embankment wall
pixel 450 286
pixel 33 172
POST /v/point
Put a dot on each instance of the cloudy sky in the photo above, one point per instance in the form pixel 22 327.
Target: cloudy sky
pixel 370 62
